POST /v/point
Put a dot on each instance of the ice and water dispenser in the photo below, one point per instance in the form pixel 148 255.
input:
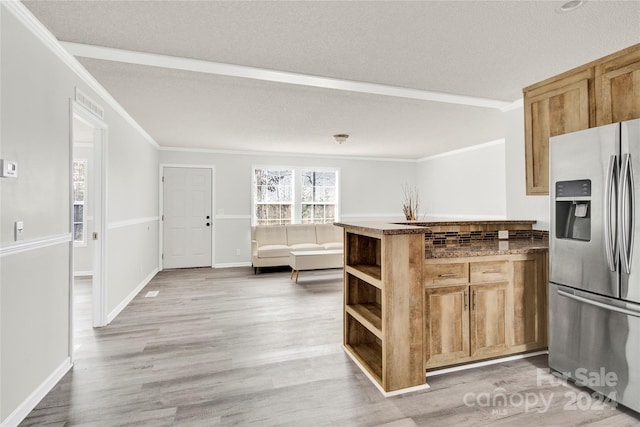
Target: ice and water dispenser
pixel 573 210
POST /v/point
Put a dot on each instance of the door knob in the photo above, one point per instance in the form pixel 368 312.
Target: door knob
pixel 208 217
pixel 208 224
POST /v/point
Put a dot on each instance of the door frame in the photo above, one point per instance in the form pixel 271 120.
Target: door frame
pixel 99 197
pixel 161 208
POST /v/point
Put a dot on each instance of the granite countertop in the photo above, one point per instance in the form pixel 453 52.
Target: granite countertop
pixel 486 248
pixel 435 222
pixel 382 228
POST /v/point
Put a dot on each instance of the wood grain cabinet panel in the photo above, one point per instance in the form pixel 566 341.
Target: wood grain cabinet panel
pixel 528 313
pixel 554 108
pixel 446 325
pixel 502 311
pixel 447 274
pixel 618 87
pixel 598 93
pixel 488 319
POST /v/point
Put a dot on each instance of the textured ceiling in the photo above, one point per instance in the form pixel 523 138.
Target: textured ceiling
pixel 488 49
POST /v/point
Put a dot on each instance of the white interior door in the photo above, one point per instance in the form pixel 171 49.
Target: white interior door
pixel 187 223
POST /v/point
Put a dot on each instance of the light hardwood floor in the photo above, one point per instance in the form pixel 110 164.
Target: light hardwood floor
pixel 225 347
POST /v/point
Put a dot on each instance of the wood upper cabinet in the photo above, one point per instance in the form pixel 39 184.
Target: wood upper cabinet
pixel 554 108
pixel 618 87
pixel 601 92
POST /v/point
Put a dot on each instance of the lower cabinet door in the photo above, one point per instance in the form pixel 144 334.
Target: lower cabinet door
pixel 446 325
pixel 489 312
pixel 528 325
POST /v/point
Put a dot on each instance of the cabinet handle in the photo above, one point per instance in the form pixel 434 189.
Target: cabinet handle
pixel 491 272
pixel 475 300
pixel 448 275
pixel 466 301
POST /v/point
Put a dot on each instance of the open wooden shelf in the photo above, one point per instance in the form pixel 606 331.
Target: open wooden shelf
pixel 383 312
pixel 370 356
pixel 369 273
pixel 369 315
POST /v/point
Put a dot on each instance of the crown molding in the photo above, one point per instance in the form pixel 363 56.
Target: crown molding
pixel 24 15
pixel 463 150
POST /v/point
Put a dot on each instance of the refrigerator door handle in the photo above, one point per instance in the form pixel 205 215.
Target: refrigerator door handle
pixel 626 213
pixel 599 304
pixel 610 188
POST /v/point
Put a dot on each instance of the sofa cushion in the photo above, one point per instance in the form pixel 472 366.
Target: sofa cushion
pixel 332 245
pixel 301 233
pixel 306 247
pixel 273 251
pixel 271 235
pixel 328 233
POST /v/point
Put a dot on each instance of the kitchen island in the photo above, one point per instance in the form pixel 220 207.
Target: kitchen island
pixel 425 295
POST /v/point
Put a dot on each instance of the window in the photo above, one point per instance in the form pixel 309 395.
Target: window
pixel 319 196
pixel 79 197
pixel 287 195
pixel 273 196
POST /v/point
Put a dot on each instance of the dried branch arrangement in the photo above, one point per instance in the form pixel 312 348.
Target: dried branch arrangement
pixel 411 202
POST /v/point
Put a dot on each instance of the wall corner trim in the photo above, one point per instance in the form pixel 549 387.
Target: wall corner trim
pixel 125 302
pixel 21 412
pixel 25 16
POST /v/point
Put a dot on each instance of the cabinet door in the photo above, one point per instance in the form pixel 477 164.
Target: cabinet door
pixel 554 108
pixel 446 325
pixel 488 319
pixel 528 305
pixel 618 87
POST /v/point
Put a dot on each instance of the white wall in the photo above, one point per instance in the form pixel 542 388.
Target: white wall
pixel 519 205
pixel 34 302
pixel 466 183
pixel 369 190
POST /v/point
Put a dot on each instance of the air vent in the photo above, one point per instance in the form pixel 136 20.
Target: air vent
pixel 89 104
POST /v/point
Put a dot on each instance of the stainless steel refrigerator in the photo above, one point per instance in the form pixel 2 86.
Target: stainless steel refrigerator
pixel 594 270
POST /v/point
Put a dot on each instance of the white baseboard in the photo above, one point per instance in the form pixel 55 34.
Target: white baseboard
pixel 422 387
pixel 125 302
pixel 233 264
pixel 485 363
pixel 21 412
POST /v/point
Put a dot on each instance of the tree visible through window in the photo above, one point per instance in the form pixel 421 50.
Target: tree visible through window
pixel 79 188
pixel 287 195
pixel 273 196
pixel 319 196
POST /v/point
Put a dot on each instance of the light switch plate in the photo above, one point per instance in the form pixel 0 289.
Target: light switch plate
pixel 18 230
pixel 8 168
pixel 503 234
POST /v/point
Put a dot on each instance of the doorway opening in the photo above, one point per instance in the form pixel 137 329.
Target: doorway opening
pixel 88 295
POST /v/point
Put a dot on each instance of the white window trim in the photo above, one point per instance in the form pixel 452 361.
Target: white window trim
pixel 297 189
pixel 81 243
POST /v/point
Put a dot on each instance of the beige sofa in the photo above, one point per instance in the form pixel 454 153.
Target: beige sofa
pixel 271 244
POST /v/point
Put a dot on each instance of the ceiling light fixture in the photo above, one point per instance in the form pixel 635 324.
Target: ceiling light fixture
pixel 340 137
pixel 571 5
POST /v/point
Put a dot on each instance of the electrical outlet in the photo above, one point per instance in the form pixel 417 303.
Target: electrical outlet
pixel 503 234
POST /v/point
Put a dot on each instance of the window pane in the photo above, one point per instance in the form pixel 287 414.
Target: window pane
pixel 78 232
pixel 78 211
